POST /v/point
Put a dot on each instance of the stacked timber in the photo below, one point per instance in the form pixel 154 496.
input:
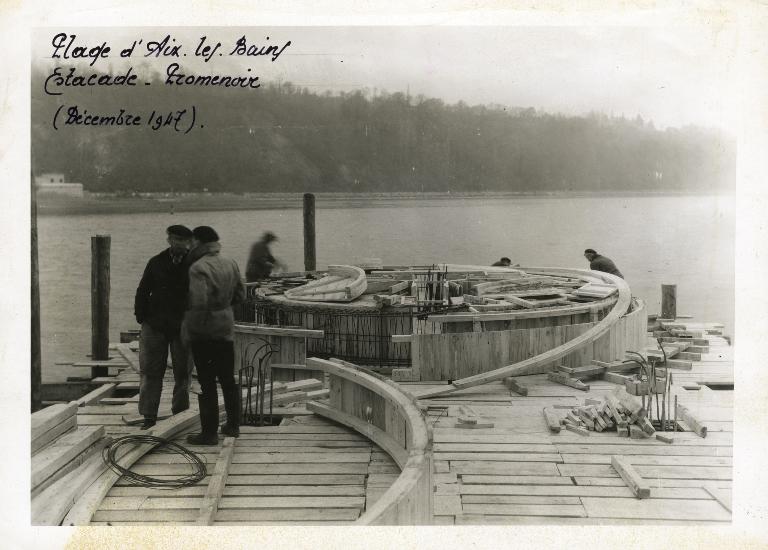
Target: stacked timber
pixel 620 412
pixel 59 445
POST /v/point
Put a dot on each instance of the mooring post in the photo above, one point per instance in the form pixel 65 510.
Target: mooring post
pixel 310 259
pixel 100 302
pixel 668 301
pixel 37 398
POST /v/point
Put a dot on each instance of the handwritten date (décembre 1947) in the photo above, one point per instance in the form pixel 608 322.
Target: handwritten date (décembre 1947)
pixel 181 120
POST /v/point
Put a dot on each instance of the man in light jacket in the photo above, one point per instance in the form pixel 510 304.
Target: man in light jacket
pixel 214 286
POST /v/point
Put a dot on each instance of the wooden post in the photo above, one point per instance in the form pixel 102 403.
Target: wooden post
pixel 100 245
pixel 668 301
pixel 310 259
pixel 35 313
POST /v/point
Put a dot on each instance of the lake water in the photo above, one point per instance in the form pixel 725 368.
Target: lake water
pixel 686 240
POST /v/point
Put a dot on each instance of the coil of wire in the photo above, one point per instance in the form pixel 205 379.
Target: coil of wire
pixel 109 455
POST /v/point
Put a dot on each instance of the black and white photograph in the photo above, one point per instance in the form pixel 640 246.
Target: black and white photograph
pixel 485 267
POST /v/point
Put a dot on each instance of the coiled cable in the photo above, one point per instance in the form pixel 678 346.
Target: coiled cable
pixel 160 445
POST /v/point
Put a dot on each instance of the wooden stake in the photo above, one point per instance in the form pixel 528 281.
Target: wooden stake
pixel 669 301
pixel 310 257
pixel 36 367
pixel 100 245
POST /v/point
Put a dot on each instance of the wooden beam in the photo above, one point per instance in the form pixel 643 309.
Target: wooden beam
pixel 566 381
pixel 210 504
pixel 54 457
pixel 278 331
pixel 49 417
pixel 553 420
pixel 96 395
pixel 512 385
pixel 575 429
pixel 686 416
pixel 637 484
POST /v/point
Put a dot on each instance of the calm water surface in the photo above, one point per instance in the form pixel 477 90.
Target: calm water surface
pixel 653 240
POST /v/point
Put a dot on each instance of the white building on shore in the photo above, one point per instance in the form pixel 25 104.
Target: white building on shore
pixel 55 184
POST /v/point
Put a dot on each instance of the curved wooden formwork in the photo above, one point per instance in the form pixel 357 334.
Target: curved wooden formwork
pixel 74 497
pixel 619 307
pixel 378 409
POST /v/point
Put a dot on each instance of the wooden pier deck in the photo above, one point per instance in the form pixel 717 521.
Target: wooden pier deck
pixel 312 471
pixel 309 471
pixel 519 473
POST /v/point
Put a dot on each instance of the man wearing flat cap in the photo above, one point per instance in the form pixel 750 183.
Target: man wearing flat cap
pixel 215 286
pixel 159 309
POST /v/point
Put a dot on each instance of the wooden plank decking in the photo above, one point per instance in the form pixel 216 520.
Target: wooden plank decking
pixel 519 473
pixel 308 471
pixel 313 471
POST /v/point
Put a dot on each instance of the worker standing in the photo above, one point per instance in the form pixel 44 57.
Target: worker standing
pixel 159 308
pixel 261 261
pixel 209 326
pixel 601 263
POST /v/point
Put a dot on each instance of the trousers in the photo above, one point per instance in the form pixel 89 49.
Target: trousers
pixel 215 360
pixel 153 360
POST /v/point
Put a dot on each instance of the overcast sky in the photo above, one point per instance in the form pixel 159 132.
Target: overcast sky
pixel 672 76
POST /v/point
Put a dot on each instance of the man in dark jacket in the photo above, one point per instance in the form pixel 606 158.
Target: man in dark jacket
pixel 260 260
pixel 159 308
pixel 601 263
pixel 209 326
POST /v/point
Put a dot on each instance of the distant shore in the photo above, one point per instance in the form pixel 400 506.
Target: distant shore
pixel 198 202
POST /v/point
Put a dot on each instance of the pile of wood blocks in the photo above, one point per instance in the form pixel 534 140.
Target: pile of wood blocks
pixel 620 412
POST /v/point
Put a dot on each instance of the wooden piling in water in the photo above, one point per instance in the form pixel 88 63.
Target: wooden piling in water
pixel 100 245
pixel 668 301
pixel 310 259
pixel 36 367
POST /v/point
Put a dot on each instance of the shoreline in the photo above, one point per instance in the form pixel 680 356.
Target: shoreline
pixel 212 202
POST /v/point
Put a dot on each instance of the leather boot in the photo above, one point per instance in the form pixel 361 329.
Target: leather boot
pixel 209 420
pixel 232 406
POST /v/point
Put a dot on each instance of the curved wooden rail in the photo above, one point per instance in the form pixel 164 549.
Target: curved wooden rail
pixel 525 367
pixel 380 410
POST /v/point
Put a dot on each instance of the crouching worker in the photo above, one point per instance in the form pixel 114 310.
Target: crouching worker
pixel 159 309
pixel 209 327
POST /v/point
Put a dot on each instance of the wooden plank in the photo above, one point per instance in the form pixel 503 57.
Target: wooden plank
pixel 575 429
pixel 49 417
pixel 301 458
pixel 699 510
pixel 295 490
pixel 507 468
pixel 286 514
pixel 330 468
pixel 553 420
pixel 684 414
pixel 52 458
pixel 494 448
pixel 471 479
pixel 648 460
pixel 723 496
pixel 210 504
pixel 96 395
pixel 273 503
pixel 567 381
pixel 295 479
pixel 517 499
pixel 636 448
pixel 499 457
pixel 574 511
pixel 630 476
pixel 49 436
